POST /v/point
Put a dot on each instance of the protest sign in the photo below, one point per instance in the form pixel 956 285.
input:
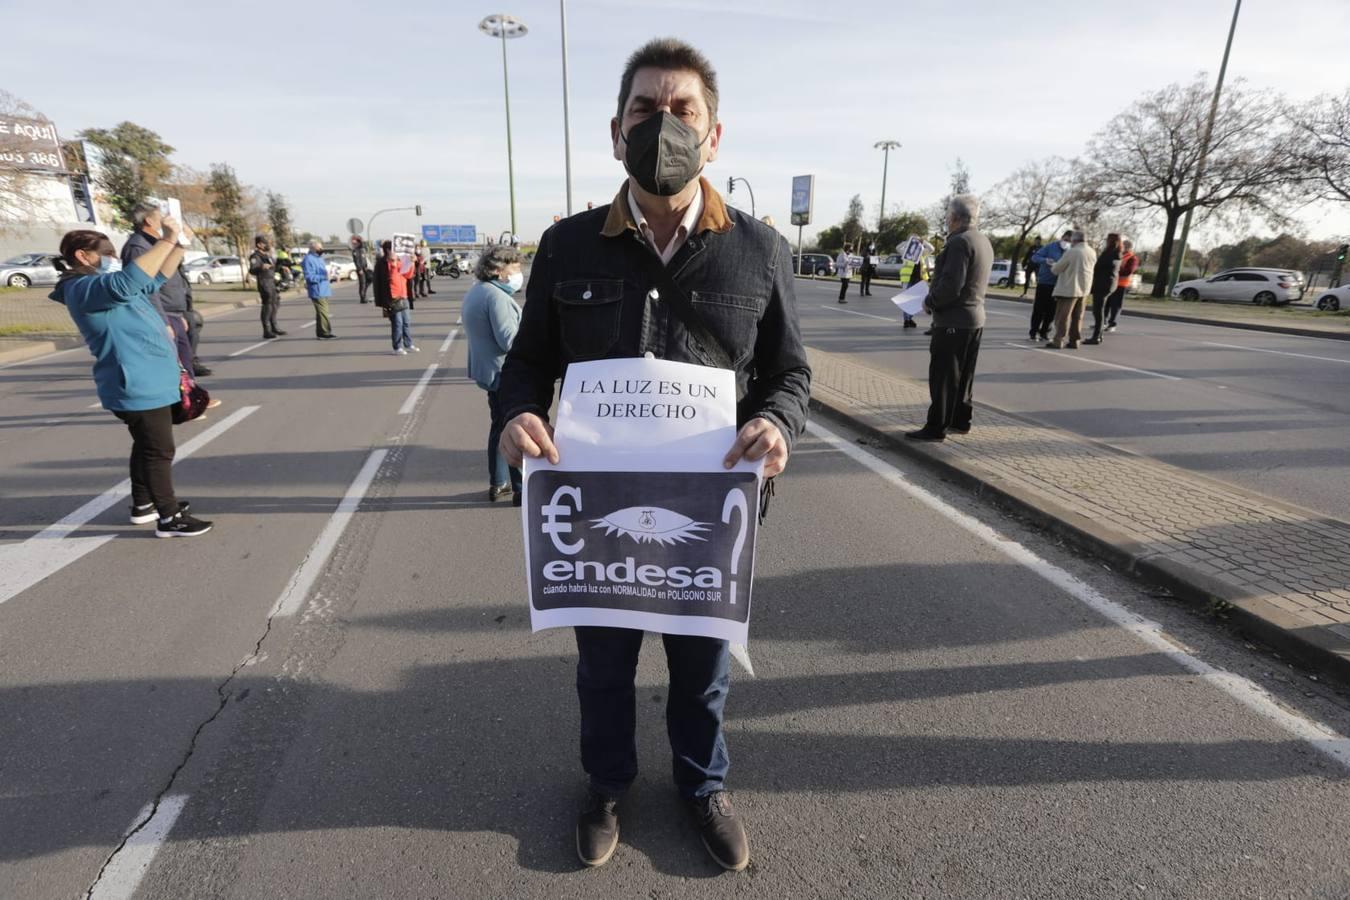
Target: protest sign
pixel 911 299
pixel 915 249
pixel 639 525
pixel 404 245
pixel 29 144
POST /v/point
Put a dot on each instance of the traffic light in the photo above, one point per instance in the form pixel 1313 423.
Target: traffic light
pixel 418 209
pixel 731 186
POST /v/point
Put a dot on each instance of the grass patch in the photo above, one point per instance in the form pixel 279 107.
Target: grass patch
pixel 24 330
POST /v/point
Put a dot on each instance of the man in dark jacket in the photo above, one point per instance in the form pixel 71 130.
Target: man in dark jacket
pixel 869 269
pixel 362 266
pixel 174 297
pixel 624 280
pixel 263 267
pixel 956 300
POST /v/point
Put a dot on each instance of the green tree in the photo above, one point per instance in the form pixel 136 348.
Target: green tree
pixel 830 240
pixel 279 217
pixel 852 226
pixel 896 229
pixel 227 201
pixel 135 164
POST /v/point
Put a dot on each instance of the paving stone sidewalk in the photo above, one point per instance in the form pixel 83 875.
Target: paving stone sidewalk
pixel 1284 570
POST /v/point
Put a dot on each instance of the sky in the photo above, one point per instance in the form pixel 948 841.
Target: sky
pixel 347 108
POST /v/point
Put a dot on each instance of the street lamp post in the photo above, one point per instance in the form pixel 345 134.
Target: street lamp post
pixel 370 223
pixel 731 186
pixel 1204 151
pixel 567 121
pixel 886 147
pixel 504 26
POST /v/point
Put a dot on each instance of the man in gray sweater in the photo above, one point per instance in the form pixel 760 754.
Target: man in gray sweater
pixel 956 300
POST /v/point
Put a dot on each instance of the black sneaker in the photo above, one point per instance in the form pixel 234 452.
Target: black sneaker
pixel 498 491
pixel 923 434
pixel 910 323
pixel 721 830
pixel 144 515
pixel 202 371
pixel 182 525
pixel 1093 341
pixel 958 430
pixel 597 828
pixel 279 332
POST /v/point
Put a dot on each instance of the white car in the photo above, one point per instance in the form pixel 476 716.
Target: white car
pixel 1264 287
pixel 341 268
pixel 1334 299
pixel 214 270
pixel 999 276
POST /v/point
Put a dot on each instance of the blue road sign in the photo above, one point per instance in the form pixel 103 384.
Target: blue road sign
pixel 432 234
pixel 459 234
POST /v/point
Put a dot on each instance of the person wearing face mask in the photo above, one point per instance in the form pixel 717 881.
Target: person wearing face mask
pixel 1043 307
pixel 316 284
pixel 666 270
pixel 393 293
pixel 263 267
pixel 173 299
pixel 491 318
pixel 136 366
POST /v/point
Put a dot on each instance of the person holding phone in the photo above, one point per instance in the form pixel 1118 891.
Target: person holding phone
pixel 136 365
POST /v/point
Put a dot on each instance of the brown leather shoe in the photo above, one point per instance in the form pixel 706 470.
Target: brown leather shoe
pixel 721 830
pixel 597 828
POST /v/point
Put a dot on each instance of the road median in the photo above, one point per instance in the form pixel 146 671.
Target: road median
pixel 1275 571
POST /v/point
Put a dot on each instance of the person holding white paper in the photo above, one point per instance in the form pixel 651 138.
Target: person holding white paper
pixel 666 271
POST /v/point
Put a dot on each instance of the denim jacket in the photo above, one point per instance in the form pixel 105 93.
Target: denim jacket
pixel 593 294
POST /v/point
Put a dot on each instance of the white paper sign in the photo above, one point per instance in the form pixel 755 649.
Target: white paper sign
pixel 640 525
pixel 911 300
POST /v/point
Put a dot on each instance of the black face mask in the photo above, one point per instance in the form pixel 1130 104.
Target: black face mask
pixel 663 154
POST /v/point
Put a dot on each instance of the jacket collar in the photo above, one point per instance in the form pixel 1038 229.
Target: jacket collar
pixel 714 218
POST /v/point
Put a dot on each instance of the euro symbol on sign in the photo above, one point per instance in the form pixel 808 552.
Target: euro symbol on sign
pixel 555 508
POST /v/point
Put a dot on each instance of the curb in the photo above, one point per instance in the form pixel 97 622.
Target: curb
pixel 53 345
pixel 1316 648
pixel 1218 323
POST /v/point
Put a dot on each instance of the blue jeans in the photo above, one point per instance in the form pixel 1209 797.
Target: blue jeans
pixel 499 472
pixel 699 679
pixel 400 329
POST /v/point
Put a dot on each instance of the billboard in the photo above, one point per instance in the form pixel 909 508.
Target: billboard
pixel 431 234
pixel 450 234
pixel 30 144
pixel 803 197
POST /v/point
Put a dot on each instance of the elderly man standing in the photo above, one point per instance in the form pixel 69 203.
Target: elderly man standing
pixel 1073 279
pixel 956 300
pixel 641 277
pixel 316 283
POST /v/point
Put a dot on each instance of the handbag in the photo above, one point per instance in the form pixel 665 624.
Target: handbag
pixel 192 399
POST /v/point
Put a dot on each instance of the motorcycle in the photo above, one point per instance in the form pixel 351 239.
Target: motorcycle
pixel 448 267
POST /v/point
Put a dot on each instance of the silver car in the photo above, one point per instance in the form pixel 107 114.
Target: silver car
pixel 29 269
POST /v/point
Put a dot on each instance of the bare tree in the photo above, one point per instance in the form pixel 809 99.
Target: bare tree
pixel 1037 193
pixel 1147 156
pixel 1323 126
pixel 960 184
pixel 23 194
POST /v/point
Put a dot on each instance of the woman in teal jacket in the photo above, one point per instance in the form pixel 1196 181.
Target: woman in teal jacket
pixel 136 369
pixel 491 317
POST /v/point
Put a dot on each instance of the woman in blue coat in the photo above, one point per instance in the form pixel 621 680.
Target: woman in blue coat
pixel 491 318
pixel 136 369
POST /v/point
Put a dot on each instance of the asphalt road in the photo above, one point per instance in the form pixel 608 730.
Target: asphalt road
pixel 323 699
pixel 1267 411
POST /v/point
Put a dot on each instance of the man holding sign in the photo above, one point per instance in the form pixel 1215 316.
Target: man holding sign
pixel 665 272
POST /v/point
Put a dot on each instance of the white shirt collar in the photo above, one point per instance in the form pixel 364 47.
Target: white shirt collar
pixel 686 228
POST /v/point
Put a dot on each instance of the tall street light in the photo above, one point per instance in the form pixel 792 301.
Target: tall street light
pixel 887 147
pixel 504 26
pixel 567 122
pixel 1204 150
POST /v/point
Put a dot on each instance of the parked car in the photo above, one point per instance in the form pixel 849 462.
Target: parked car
pixel 341 268
pixel 814 264
pixel 28 269
pixel 215 270
pixel 1264 287
pixel 999 276
pixel 893 266
pixel 1334 299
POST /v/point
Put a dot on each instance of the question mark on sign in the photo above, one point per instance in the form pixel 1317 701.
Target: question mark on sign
pixel 736 501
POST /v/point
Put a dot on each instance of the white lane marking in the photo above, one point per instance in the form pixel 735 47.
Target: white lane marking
pixel 1246 692
pixel 24 564
pixel 124 870
pixel 1344 362
pixel 1071 357
pixel 1006 315
pixel 249 347
pixel 97 404
pixel 852 313
pixel 449 339
pixel 297 589
pixel 416 394
pixel 36 359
